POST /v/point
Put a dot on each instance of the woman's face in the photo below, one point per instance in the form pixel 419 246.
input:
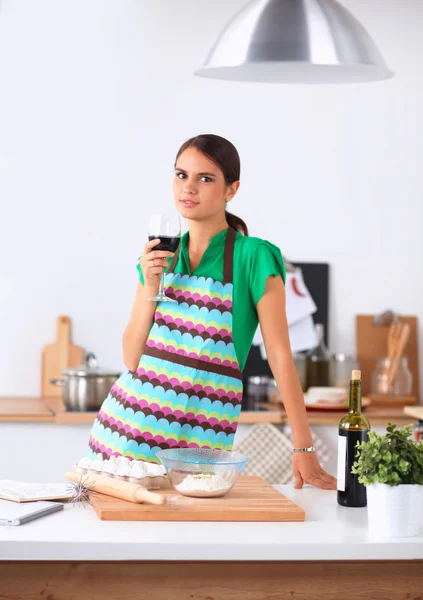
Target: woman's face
pixel 199 188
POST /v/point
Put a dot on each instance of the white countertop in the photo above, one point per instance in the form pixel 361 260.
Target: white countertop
pixel 330 532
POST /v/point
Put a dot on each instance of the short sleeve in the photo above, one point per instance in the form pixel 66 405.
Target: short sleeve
pixel 267 260
pixel 140 273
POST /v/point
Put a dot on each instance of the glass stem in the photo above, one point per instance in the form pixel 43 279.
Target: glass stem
pixel 161 291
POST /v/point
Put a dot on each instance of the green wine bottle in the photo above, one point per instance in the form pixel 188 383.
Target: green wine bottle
pixel 353 428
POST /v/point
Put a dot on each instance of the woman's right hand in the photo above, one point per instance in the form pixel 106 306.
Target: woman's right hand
pixel 152 264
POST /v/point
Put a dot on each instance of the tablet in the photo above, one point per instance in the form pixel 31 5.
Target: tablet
pixel 12 513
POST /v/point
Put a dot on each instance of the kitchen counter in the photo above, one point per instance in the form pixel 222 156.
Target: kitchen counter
pixel 330 532
pixel 306 558
pixel 52 410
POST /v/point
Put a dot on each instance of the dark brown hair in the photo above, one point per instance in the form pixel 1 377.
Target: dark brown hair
pixel 225 155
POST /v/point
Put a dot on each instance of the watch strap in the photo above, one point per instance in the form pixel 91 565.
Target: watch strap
pixel 307 449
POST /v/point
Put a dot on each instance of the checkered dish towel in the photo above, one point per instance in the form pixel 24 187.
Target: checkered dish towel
pixel 270 452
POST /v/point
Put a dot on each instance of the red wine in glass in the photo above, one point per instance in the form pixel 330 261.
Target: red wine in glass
pixel 167 228
pixel 167 243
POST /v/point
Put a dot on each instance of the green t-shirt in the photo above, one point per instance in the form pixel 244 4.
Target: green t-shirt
pixel 254 261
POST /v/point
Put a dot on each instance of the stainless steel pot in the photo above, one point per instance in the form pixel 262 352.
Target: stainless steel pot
pixel 84 388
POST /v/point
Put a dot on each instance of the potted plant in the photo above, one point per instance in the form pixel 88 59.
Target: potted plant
pixel 391 468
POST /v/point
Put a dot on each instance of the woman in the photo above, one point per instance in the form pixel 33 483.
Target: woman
pixel 185 359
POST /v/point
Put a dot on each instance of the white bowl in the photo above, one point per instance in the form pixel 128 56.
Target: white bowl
pixel 328 394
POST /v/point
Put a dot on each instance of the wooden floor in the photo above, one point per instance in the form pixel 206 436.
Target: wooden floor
pixel 374 580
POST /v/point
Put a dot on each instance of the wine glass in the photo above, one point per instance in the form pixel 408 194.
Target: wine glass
pixel 167 228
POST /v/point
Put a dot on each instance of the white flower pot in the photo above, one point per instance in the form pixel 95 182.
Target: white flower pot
pixel 394 511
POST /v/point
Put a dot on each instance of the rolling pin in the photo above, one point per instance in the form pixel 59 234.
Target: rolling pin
pixel 114 487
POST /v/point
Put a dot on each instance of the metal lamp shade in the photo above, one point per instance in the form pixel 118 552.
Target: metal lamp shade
pixel 295 41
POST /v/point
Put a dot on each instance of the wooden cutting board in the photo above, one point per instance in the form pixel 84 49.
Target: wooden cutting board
pixel 371 343
pixel 251 499
pixel 58 356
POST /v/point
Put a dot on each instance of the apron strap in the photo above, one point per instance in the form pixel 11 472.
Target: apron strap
pixel 228 257
pixel 174 260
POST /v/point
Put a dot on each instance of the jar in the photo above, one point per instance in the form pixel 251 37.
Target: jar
pixel 341 368
pixel 402 384
pixel 257 391
pixel 273 392
pixel 300 361
pixel 318 362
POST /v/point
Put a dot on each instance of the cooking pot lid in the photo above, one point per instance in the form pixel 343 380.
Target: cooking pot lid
pixel 90 368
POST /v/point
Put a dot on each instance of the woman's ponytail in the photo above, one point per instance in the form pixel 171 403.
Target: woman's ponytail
pixel 236 223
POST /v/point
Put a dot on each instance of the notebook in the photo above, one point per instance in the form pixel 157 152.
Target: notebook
pixel 17 514
pixel 21 491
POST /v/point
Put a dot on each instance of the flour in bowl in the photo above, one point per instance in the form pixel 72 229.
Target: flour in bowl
pixel 203 485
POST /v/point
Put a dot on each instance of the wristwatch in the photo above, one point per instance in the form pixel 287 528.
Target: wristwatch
pixel 308 449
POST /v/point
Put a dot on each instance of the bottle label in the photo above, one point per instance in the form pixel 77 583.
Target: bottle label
pixel 342 459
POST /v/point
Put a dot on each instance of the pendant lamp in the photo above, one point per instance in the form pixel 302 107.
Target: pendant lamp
pixel 295 41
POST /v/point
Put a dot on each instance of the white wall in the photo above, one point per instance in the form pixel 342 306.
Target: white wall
pixel 95 99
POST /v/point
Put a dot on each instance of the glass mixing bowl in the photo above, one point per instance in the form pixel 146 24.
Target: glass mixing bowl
pixel 200 472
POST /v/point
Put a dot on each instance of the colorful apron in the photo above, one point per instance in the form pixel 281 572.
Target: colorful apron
pixel 187 389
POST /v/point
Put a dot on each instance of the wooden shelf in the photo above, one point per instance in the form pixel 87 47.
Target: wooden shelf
pixel 377 415
pixel 414 411
pixel 64 417
pixel 25 410
pixel 245 417
pixel 51 410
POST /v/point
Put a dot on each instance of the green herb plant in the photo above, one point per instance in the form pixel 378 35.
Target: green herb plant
pixel 393 458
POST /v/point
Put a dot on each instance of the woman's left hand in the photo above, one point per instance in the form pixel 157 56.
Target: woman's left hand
pixel 307 469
